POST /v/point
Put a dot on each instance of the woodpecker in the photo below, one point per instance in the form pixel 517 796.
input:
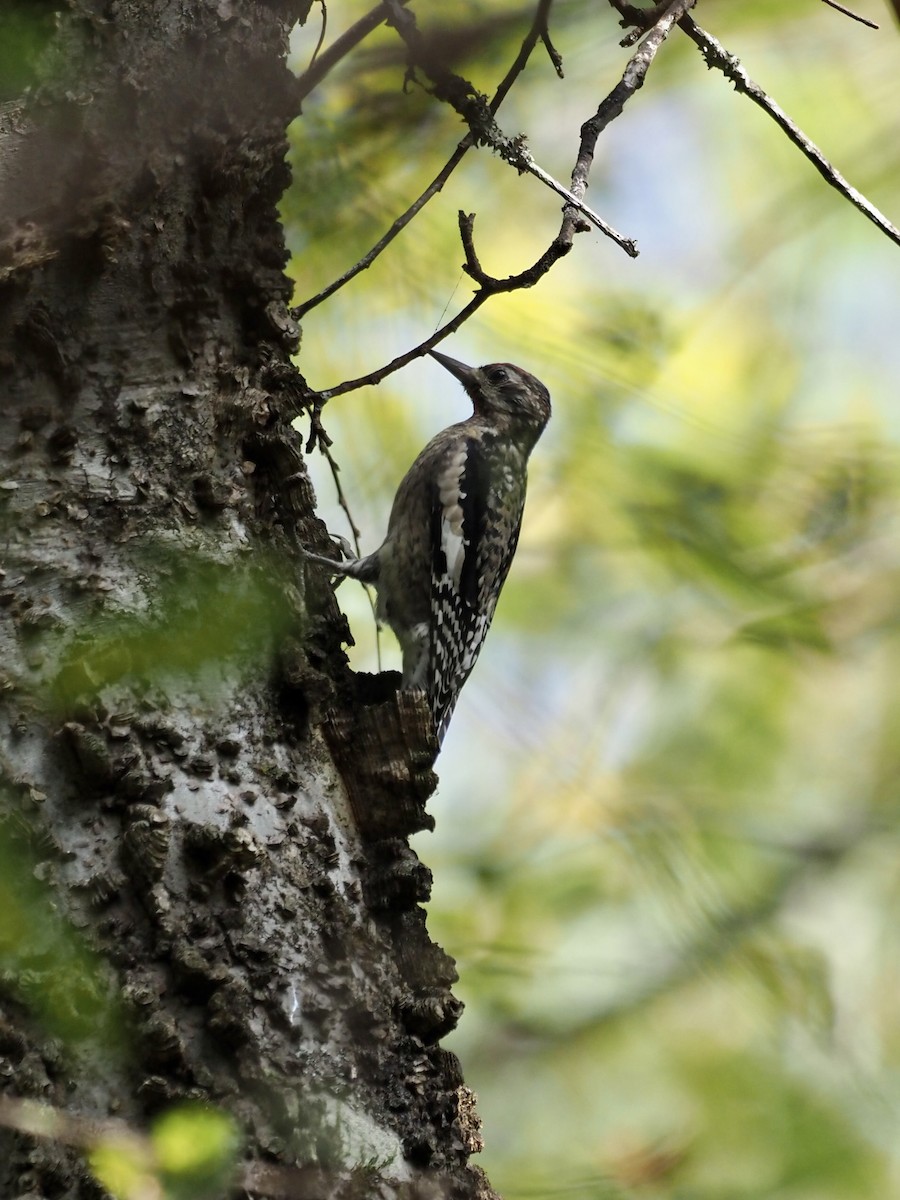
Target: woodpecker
pixel 453 531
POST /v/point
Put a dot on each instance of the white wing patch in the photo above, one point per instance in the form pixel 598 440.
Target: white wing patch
pixel 452 535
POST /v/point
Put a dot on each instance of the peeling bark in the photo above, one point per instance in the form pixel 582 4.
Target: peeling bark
pixel 214 804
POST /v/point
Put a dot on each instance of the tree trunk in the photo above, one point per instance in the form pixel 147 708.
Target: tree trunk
pixel 192 779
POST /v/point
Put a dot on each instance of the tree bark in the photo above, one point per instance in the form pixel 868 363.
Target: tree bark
pixel 203 813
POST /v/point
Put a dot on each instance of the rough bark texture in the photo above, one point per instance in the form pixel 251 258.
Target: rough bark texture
pixel 211 798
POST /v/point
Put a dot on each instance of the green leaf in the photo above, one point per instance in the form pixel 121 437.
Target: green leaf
pixel 196 1149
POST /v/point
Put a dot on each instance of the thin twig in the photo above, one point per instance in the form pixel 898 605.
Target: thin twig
pixel 536 32
pixel 375 377
pixel 340 48
pixel 492 286
pixel 488 286
pixel 322 32
pixel 717 56
pixel 342 498
pixel 539 29
pixel 643 18
pixel 628 244
pixel 320 439
pixel 398 226
pixel 632 80
pixel 573 221
pixel 553 53
pixel 479 116
pixel 848 12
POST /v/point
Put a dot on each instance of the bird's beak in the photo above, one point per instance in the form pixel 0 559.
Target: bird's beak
pixel 465 375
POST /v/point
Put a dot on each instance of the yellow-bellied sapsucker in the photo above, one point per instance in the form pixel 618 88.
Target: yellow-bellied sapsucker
pixel 453 531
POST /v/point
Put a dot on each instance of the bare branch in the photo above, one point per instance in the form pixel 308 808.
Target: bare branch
pixel 632 80
pixel 375 377
pixel 512 283
pixel 555 56
pixel 627 244
pixel 318 437
pixel 573 221
pixel 479 116
pixel 340 48
pixel 537 31
pixel 488 286
pixel 552 53
pixel 322 32
pixel 641 18
pixel 538 27
pixel 398 226
pixel 850 13
pixel 717 56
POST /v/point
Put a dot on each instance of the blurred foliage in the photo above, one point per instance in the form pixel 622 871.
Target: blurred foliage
pixel 207 619
pixel 25 28
pixel 189 1154
pixel 669 820
pixel 44 964
pixel 193 1141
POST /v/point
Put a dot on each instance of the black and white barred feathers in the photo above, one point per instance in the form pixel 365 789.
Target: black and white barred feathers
pixel 453 531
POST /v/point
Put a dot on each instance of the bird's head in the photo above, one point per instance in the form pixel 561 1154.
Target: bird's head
pixel 503 392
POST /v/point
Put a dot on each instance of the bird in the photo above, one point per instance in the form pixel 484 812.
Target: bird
pixel 453 530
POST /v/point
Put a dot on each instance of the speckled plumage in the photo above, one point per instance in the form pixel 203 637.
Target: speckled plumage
pixel 453 531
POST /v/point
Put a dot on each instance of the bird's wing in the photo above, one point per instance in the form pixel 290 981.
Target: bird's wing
pixel 473 538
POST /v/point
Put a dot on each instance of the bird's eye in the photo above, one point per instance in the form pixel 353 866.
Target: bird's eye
pixel 498 375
